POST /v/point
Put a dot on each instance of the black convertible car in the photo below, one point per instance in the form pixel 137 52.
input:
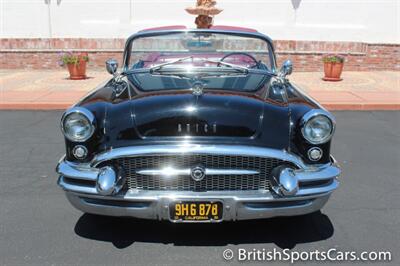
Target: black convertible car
pixel 199 126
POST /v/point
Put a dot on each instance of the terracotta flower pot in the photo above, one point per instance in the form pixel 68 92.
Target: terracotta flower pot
pixel 333 71
pixel 78 71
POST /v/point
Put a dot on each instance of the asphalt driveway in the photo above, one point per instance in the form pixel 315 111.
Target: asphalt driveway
pixel 38 226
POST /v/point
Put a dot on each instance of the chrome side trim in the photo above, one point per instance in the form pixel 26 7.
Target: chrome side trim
pixel 76 188
pixel 235 150
pixel 208 171
pixel 231 172
pixel 324 173
pixel 318 190
pixel 164 172
pixel 74 171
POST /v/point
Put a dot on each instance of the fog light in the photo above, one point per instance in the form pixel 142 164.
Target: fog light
pixel 80 152
pixel 314 154
pixel 109 181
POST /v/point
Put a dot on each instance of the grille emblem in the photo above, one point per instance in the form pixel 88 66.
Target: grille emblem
pixel 198 173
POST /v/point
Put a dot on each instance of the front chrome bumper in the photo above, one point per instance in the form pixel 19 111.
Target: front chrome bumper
pixel 78 180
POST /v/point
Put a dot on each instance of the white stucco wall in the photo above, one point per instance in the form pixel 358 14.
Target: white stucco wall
pixel 374 21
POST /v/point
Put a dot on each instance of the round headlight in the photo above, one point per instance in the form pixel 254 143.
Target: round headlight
pixel 78 124
pixel 317 128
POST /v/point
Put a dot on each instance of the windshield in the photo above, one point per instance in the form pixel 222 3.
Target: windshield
pixel 219 60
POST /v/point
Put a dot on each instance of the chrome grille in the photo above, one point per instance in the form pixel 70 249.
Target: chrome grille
pixel 209 183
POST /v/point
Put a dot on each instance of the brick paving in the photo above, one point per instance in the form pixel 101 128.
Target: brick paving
pixel 51 89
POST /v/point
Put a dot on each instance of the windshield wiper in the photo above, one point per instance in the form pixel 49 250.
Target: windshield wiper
pixel 199 73
pixel 228 70
pixel 242 69
pixel 158 67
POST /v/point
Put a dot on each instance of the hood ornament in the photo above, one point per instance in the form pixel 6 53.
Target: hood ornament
pixel 197 89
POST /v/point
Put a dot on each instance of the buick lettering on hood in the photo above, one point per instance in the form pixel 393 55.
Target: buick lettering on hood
pixel 198 125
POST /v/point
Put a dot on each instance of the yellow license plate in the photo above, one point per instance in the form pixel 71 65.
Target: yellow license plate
pixel 196 211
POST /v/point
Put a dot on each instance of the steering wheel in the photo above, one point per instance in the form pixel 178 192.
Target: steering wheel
pixel 257 63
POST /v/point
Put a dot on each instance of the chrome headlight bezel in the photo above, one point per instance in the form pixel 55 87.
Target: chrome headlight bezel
pixel 85 114
pixel 313 114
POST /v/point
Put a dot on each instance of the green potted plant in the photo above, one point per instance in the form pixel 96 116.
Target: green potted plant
pixel 76 63
pixel 333 67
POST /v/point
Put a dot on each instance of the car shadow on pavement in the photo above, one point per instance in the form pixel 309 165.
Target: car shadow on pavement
pixel 285 232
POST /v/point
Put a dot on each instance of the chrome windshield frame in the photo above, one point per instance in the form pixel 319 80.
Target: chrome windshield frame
pixel 142 34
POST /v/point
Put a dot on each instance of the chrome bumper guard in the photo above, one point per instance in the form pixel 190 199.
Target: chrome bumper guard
pixel 79 181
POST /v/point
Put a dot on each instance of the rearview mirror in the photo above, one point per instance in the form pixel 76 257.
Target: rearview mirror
pixel 112 66
pixel 286 69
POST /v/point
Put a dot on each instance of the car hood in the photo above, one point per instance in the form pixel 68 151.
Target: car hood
pixel 226 117
pixel 214 117
pixel 213 114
